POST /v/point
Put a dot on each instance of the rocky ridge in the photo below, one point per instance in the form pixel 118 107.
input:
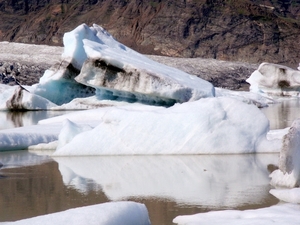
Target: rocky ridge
pixel 234 30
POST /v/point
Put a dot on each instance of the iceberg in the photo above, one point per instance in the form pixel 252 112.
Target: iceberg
pixel 206 126
pixel 288 174
pixel 286 179
pixel 111 213
pixel 273 79
pixel 18 98
pixel 96 69
pixel 23 137
pixel 247 97
pixel 94 63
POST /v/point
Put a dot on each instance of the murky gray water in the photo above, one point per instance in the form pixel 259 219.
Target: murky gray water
pixel 18 119
pixel 281 115
pixel 32 184
pixel 169 186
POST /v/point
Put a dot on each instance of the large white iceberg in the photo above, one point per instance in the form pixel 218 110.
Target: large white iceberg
pixel 207 126
pixel 95 66
pixel 92 58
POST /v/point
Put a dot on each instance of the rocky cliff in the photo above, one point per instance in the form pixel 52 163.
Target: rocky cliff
pixel 235 30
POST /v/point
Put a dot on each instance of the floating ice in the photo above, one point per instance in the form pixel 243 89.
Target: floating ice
pixel 22 137
pixel 128 74
pixel 58 84
pixel 288 174
pixel 287 195
pixel 207 126
pixel 283 214
pixel 111 213
pixel 16 98
pixel 274 79
pixel 247 97
pixel 116 72
pixel 69 131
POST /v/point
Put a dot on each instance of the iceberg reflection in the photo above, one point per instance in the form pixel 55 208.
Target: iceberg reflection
pixel 215 181
pixel 21 158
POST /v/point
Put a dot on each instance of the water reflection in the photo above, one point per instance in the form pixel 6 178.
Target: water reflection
pixel 208 181
pixel 169 186
pixel 31 191
pixel 10 119
pixel 16 159
pixel 281 115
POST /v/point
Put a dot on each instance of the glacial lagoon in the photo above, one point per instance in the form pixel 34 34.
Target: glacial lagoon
pixel 35 184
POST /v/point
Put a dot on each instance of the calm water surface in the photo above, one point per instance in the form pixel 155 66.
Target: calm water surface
pixel 33 184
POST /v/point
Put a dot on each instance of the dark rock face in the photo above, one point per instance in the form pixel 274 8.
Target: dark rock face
pixel 235 30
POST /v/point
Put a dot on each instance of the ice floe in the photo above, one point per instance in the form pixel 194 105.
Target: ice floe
pixel 285 214
pixel 112 213
pixel 274 79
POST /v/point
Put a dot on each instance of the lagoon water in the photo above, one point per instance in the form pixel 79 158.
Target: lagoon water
pixel 33 184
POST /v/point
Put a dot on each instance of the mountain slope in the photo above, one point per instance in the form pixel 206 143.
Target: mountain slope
pixel 236 30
